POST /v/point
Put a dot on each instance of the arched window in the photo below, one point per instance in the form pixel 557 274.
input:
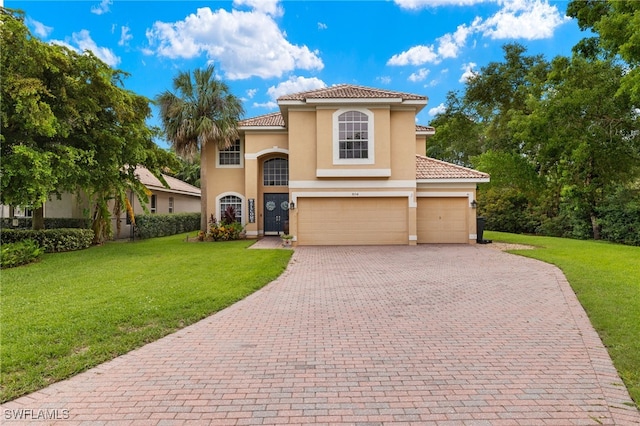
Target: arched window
pixel 276 172
pixel 233 201
pixel 353 135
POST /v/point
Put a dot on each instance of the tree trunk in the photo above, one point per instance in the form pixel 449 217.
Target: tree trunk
pixel 203 189
pixel 595 227
pixel 37 221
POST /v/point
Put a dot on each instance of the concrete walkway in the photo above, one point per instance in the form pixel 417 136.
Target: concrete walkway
pixel 443 335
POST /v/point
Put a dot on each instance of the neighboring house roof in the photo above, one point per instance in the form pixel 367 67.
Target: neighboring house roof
pixel 430 169
pixel 175 185
pixel 350 91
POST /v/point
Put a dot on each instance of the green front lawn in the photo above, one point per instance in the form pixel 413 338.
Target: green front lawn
pixel 72 311
pixel 606 279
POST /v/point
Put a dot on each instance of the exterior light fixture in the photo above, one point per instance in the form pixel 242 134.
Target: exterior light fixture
pixel 474 204
pixel 292 205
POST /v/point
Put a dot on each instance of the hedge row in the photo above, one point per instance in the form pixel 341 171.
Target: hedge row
pixel 49 223
pixel 51 240
pixel 161 225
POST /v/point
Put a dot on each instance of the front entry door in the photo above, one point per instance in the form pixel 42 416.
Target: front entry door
pixel 276 213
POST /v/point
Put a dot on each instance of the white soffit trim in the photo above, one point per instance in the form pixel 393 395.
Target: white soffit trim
pixel 426 132
pixel 340 184
pixel 353 172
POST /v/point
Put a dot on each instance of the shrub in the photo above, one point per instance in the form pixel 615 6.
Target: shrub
pixel 161 225
pixel 227 229
pixel 49 223
pixel 20 253
pixel 51 240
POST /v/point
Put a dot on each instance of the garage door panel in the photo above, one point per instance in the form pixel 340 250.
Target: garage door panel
pixel 443 220
pixel 349 221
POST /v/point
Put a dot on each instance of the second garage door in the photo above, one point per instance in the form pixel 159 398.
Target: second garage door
pixel 352 221
pixel 443 220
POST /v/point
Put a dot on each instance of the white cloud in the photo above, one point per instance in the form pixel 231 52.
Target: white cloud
pixel 103 7
pixel 450 44
pixel 251 93
pixel 245 44
pixel 64 44
pixel 385 79
pixel 40 29
pixel 125 36
pixel 423 4
pixel 421 75
pixel 437 110
pixel 468 72
pixel 295 85
pixel 516 19
pixel 322 26
pixel 522 19
pixel 84 42
pixel 268 7
pixel 417 55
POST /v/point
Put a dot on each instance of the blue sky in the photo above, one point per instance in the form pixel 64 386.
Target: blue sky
pixel 266 48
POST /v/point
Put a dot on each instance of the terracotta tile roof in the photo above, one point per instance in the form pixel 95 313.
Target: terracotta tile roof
pixel 420 128
pixel 430 168
pixel 175 185
pixel 273 119
pixel 350 91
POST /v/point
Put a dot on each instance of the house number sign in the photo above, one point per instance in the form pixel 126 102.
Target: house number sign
pixel 252 210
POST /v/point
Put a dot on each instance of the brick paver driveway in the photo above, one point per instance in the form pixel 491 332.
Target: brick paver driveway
pixel 368 335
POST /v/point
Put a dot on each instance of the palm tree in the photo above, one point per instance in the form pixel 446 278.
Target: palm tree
pixel 202 111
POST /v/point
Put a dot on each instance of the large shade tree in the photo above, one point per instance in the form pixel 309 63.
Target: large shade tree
pixel 201 112
pixel 68 125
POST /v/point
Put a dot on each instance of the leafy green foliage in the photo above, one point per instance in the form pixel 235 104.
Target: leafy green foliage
pixel 51 240
pixel 49 223
pixel 201 111
pixel 617 24
pixel 556 137
pixel 227 229
pixel 20 253
pixel 160 225
pixel 69 125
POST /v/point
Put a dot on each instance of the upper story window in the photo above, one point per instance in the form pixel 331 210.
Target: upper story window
pixel 276 172
pixel 232 156
pixel 353 137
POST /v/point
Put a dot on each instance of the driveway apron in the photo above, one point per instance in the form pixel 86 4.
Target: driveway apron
pixel 433 334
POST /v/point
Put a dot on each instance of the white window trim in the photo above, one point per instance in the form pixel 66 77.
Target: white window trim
pixel 230 166
pixel 370 141
pixel 242 200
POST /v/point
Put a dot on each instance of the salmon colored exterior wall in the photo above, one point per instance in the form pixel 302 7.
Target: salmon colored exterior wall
pixel 307 141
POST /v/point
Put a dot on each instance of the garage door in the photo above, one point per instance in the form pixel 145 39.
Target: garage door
pixel 443 220
pixel 352 221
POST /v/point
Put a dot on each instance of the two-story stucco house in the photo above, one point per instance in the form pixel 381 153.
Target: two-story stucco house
pixel 343 165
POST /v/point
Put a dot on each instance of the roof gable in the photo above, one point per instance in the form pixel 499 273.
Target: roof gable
pixel 431 169
pixel 350 91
